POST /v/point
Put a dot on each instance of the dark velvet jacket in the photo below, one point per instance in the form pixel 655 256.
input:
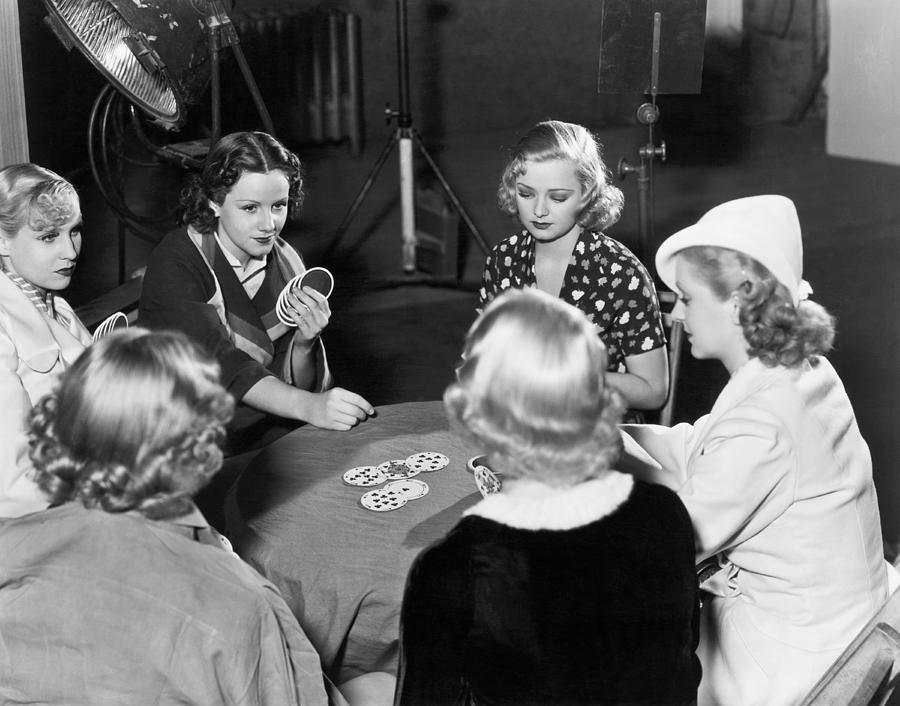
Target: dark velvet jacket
pixel 505 610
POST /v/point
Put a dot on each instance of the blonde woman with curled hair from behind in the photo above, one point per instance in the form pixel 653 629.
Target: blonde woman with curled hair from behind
pixel 558 189
pixel 120 593
pixel 777 477
pixel 40 335
pixel 574 584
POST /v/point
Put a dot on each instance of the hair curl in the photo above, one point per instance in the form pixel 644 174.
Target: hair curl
pixel 134 424
pixel 531 390
pixel 230 158
pixel 554 139
pixel 777 331
pixel 34 196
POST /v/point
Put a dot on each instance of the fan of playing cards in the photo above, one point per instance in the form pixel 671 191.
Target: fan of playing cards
pixel 110 324
pixel 318 278
pixel 402 486
pixel 487 481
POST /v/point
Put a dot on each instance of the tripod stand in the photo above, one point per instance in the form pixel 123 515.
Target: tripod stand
pixel 404 137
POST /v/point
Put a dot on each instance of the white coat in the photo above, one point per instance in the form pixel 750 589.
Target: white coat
pixel 778 482
pixel 34 350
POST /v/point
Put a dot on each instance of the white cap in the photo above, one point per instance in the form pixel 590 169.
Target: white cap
pixel 764 227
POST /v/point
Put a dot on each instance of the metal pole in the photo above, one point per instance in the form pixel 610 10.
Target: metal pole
pixel 407 174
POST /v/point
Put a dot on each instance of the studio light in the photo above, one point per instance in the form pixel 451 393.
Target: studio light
pixel 158 57
pixel 155 52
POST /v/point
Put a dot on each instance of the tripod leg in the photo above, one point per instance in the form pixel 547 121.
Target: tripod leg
pixel 253 88
pixel 407 202
pixel 457 204
pixel 357 202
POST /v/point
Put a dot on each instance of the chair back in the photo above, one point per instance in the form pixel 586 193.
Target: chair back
pixel 868 670
pixel 675 334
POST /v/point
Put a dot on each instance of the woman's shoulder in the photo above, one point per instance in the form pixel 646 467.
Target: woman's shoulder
pixel 615 249
pixel 652 502
pixel 513 243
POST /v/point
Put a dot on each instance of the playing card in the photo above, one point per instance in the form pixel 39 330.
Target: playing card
pixel 383 500
pixel 427 461
pixel 364 476
pixel 319 279
pixel 397 469
pixel 410 487
pixel 486 481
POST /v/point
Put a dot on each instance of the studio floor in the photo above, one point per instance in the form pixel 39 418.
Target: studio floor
pixel 396 337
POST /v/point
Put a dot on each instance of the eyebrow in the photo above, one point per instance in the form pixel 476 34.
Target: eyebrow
pixel 562 189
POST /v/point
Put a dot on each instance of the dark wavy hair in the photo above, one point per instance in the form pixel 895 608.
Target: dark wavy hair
pixel 554 139
pixel 134 424
pixel 777 332
pixel 230 158
pixel 531 391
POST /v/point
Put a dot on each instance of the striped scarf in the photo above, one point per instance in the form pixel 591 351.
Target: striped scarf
pixel 44 300
pixel 253 323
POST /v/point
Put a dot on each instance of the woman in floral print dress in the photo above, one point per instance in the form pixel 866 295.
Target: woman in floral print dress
pixel 559 189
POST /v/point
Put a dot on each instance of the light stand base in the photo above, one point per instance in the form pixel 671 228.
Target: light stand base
pixel 406 139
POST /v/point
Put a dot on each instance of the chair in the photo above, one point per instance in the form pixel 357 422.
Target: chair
pixel 675 333
pixel 868 670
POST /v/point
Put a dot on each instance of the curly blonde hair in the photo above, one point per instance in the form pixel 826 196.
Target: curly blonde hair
pixel 34 196
pixel 531 391
pixel 554 139
pixel 134 424
pixel 777 331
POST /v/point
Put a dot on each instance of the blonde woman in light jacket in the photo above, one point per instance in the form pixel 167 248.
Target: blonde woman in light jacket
pixel 777 478
pixel 40 335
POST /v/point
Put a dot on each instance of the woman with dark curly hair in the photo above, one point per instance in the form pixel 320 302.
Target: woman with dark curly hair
pixel 560 191
pixel 574 584
pixel 120 592
pixel 218 280
pixel 777 478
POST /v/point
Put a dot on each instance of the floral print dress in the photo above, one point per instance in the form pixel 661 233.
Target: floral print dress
pixel 604 279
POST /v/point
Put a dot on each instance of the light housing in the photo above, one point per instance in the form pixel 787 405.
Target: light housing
pixel 155 52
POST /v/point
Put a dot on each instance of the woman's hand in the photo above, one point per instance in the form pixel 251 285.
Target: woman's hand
pixel 338 409
pixel 314 314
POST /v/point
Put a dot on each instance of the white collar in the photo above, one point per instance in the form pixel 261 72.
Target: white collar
pixel 528 504
pixel 253 264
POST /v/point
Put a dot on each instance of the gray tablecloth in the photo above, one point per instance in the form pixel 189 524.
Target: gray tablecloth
pixel 342 568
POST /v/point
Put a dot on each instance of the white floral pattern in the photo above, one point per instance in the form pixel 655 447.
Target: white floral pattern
pixel 622 304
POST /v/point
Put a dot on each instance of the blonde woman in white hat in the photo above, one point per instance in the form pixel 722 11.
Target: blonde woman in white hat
pixel 777 478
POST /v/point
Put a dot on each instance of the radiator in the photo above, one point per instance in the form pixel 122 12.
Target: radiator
pixel 308 68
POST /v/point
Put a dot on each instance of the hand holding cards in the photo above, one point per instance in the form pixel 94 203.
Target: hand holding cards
pixel 317 278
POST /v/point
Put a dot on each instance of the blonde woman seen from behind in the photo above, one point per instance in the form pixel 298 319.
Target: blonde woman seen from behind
pixel 575 583
pixel 120 593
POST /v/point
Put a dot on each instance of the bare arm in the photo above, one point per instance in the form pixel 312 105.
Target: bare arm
pixel 646 382
pixel 336 408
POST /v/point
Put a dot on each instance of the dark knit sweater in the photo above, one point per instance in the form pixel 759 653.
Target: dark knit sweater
pixel 603 613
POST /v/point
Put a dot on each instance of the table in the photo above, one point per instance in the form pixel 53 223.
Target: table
pixel 340 567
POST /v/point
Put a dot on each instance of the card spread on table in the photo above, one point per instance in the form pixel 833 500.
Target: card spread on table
pixel 364 476
pixel 410 487
pixel 427 461
pixel 486 481
pixel 383 500
pixel 397 469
